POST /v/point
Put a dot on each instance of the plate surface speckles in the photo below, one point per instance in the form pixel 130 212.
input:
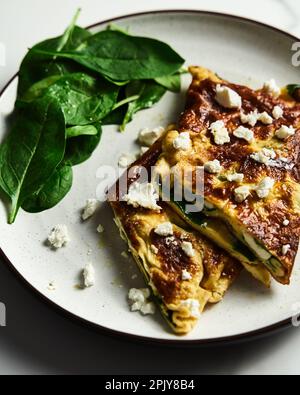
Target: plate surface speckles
pixel 241 51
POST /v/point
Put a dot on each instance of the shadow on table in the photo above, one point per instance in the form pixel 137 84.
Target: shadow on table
pixel 38 340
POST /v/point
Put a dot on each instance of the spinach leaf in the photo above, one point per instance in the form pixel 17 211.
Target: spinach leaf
pixel 294 91
pixel 149 93
pixel 87 130
pixel 32 151
pixel 122 57
pixel 36 67
pixel 66 38
pixel 116 117
pixel 79 149
pixel 170 82
pixel 38 89
pixel 83 99
pixel 53 191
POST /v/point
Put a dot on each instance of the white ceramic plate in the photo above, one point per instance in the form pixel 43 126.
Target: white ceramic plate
pixel 242 51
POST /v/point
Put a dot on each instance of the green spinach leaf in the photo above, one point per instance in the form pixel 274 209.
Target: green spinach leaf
pixel 170 82
pixel 53 191
pixel 79 149
pixel 294 91
pixel 32 151
pixel 149 93
pixel 87 130
pixel 36 67
pixel 122 57
pixel 83 99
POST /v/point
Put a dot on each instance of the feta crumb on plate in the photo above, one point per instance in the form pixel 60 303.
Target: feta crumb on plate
pixel 286 222
pixel 126 160
pixel 59 236
pixel 89 275
pixel 228 98
pixel 100 228
pixel 183 142
pixel 138 300
pixel 165 229
pixel 142 195
pixel 51 286
pixel 148 137
pixel 90 209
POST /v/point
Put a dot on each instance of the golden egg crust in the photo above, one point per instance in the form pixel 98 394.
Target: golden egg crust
pixel 162 259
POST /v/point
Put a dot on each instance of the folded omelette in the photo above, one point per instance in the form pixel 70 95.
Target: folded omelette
pixel 184 270
pixel 249 145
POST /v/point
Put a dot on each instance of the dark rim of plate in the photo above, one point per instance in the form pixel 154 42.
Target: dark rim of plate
pixel 255 334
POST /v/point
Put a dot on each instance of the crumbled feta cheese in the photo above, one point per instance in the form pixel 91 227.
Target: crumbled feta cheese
pixel 213 167
pixel 186 276
pixel 265 118
pixel 264 187
pixel 272 88
pixel 51 286
pixel 193 306
pixel 235 177
pixel 165 229
pixel 244 133
pixel 144 150
pixel 89 275
pixel 220 133
pixel 277 112
pixel 264 156
pixel 90 209
pixel 59 236
pixel 227 97
pixel 126 160
pixel 284 132
pixel 138 299
pixel 242 193
pixel 183 142
pixel 148 308
pixel 286 222
pixel 251 118
pixel 154 249
pixel 142 195
pixel 285 249
pixel 148 137
pixel 188 249
pixel 100 228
